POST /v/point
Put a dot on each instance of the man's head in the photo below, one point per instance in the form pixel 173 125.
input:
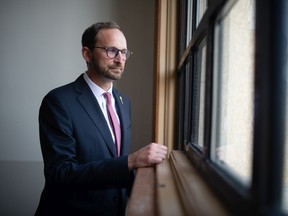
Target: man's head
pixel 104 48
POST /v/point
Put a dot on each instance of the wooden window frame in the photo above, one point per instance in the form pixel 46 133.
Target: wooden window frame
pixel 165 72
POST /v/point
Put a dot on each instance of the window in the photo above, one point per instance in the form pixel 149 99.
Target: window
pixel 284 44
pixel 285 176
pixel 201 6
pixel 232 100
pixel 198 86
pixel 233 90
pixel 189 21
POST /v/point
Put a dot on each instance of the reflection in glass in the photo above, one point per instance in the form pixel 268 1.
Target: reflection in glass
pixel 232 115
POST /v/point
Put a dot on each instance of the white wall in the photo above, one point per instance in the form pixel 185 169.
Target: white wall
pixel 40 43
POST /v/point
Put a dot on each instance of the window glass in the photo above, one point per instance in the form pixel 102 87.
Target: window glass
pixel 187 81
pixel 285 180
pixel 201 8
pixel 285 57
pixel 199 95
pixel 233 90
pixel 189 21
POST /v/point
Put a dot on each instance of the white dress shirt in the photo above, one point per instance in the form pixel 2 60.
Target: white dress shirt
pixel 98 93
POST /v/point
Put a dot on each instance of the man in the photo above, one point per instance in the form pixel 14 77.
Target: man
pixel 87 166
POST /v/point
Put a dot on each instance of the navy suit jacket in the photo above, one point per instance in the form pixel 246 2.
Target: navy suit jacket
pixel 83 174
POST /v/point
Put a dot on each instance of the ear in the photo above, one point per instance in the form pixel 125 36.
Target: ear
pixel 86 53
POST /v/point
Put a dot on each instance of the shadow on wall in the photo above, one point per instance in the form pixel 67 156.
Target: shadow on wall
pixel 20 197
pixel 138 24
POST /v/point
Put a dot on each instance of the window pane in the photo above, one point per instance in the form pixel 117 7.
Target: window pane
pixel 201 8
pixel 199 95
pixel 233 90
pixel 189 21
pixel 285 54
pixel 285 180
pixel 186 96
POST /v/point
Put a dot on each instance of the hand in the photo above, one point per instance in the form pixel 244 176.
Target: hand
pixel 147 156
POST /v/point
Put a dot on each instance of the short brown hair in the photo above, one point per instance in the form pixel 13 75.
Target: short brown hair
pixel 89 35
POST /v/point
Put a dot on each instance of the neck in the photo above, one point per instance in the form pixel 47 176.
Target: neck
pixel 103 83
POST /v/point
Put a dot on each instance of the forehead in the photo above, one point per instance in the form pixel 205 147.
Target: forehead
pixel 111 37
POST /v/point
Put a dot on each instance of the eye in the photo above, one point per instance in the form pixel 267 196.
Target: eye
pixel 112 49
pixel 124 51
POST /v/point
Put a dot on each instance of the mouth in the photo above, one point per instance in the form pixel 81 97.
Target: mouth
pixel 115 69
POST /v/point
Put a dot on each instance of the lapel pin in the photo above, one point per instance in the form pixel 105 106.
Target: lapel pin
pixel 121 100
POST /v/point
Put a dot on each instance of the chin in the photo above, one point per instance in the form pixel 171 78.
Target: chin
pixel 114 78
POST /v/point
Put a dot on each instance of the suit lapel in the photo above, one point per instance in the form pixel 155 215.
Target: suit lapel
pixel 92 108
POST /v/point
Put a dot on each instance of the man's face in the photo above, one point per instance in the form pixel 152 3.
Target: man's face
pixel 101 64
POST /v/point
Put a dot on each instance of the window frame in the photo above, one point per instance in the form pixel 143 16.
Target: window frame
pixel 264 195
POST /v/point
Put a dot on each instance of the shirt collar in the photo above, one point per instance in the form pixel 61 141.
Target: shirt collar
pixel 97 90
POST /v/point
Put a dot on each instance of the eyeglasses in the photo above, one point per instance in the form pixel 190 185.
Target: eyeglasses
pixel 112 52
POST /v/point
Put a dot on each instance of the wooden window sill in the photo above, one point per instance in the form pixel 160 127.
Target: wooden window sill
pixel 172 188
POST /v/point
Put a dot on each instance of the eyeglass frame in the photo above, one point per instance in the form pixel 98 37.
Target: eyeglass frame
pixel 125 52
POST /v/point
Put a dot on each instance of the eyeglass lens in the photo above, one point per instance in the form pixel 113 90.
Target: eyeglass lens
pixel 112 52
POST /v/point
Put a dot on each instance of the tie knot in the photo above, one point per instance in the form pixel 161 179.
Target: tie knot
pixel 107 96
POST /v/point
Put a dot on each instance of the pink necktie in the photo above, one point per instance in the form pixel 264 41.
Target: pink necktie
pixel 113 122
